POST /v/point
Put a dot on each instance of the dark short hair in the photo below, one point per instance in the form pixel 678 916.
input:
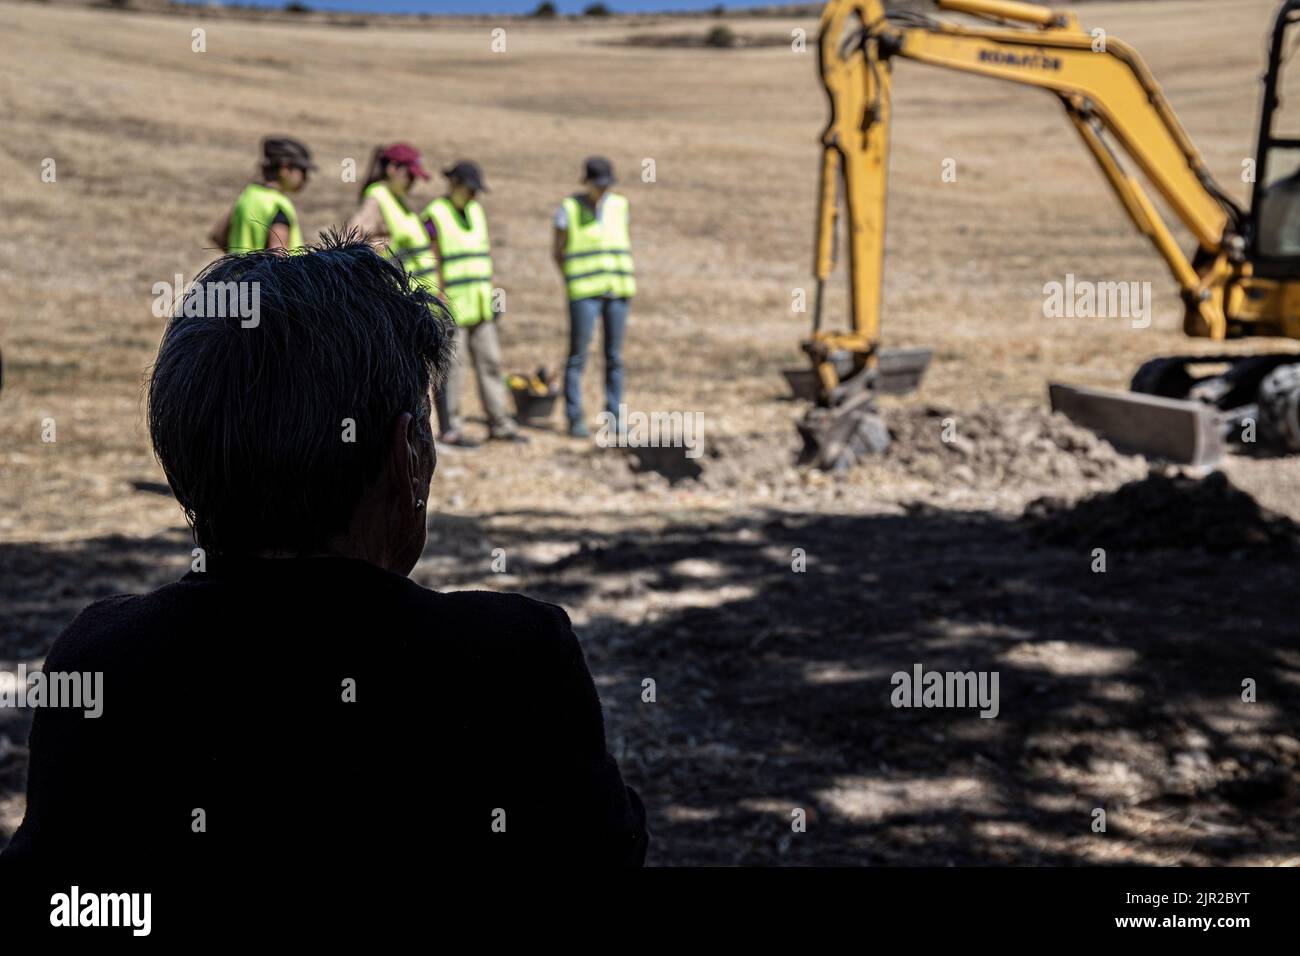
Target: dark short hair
pixel 248 421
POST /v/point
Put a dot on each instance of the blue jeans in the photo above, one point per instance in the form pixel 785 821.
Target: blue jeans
pixel 583 314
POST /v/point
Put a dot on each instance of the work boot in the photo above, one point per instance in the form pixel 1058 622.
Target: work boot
pixel 456 439
pixel 579 430
pixel 511 436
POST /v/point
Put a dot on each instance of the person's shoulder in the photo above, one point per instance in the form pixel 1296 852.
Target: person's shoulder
pixel 515 613
pixel 85 635
pixel 109 627
pixel 500 620
pixel 249 191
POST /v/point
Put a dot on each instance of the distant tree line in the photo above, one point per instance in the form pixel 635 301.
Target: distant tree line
pixel 547 9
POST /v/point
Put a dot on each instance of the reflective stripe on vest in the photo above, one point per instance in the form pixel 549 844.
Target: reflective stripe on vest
pixel 597 253
pixel 466 259
pixel 252 215
pixel 408 242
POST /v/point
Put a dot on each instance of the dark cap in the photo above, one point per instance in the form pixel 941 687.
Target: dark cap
pixel 599 172
pixel 287 151
pixel 467 174
pixel 404 154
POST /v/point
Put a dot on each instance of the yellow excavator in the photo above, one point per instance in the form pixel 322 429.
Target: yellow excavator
pixel 1242 278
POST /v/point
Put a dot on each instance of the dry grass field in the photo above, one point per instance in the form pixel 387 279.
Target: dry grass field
pixel 1119 690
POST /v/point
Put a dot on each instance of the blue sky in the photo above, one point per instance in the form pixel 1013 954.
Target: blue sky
pixel 504 6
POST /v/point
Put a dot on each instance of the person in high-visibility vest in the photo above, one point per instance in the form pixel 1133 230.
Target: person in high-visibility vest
pixel 263 216
pixel 386 215
pixel 458 226
pixel 592 248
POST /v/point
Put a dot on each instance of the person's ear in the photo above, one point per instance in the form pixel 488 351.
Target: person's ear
pixel 404 461
pixel 420 439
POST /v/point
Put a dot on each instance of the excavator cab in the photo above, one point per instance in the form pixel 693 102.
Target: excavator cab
pixel 1274 233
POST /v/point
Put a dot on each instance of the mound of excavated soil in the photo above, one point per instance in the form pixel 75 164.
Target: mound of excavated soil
pixel 1002 446
pixel 986 448
pixel 1163 512
pixel 990 457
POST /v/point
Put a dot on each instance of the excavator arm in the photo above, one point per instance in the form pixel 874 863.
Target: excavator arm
pixel 1111 99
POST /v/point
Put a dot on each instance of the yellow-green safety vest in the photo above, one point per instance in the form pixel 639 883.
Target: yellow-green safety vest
pixel 408 242
pixel 597 255
pixel 250 220
pixel 466 260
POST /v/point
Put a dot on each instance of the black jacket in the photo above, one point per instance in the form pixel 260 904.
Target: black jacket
pixel 475 737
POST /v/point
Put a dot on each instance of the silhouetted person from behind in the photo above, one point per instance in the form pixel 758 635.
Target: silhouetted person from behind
pixel 297 703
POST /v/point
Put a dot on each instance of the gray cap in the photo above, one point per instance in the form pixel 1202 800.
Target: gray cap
pixel 287 151
pixel 467 174
pixel 599 171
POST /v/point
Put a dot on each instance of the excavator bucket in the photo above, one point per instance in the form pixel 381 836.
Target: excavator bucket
pixel 836 438
pixel 1182 432
pixel 899 371
pixel 849 428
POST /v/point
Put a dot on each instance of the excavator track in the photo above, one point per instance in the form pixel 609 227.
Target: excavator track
pixel 1279 406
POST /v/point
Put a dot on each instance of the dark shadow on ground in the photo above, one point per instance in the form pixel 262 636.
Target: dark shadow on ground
pixel 1119 690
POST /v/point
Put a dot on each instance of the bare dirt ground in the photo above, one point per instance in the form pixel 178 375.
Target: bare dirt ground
pixel 1119 691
